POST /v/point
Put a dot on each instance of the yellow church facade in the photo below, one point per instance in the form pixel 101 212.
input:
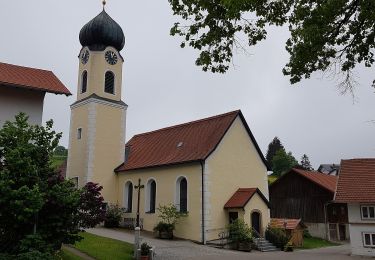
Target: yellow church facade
pixel 211 168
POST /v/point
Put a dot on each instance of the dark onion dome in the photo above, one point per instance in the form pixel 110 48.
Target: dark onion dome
pixel 102 31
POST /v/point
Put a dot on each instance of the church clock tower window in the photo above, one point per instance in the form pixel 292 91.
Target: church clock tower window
pixel 109 85
pixel 84 82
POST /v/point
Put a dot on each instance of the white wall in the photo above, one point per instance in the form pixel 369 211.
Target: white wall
pixel 356 228
pixel 14 100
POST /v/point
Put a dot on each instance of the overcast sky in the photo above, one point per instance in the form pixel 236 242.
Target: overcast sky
pixel 163 87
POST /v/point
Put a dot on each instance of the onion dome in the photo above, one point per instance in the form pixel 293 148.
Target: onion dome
pixel 101 32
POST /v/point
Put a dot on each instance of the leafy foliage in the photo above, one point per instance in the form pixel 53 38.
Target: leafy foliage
pixel 334 34
pixel 92 206
pixel 273 147
pixel 239 231
pixel 169 214
pixel 113 216
pixel 145 249
pixel 61 151
pixel 277 237
pixel 305 163
pixel 283 162
pixel 39 210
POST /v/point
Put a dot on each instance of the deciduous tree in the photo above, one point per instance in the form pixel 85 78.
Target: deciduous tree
pixel 282 162
pixel 333 34
pixel 273 147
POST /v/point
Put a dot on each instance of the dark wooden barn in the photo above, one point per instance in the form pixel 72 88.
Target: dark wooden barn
pixel 308 195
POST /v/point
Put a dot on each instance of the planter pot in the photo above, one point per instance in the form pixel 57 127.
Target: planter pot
pixel 166 234
pixel 244 246
pixel 145 257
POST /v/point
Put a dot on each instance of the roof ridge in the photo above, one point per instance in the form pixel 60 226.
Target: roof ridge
pixel 25 67
pixel 187 123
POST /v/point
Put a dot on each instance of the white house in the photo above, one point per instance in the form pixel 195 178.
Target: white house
pixel 356 187
pixel 22 89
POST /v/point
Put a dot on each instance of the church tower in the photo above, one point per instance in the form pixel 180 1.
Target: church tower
pixel 98 117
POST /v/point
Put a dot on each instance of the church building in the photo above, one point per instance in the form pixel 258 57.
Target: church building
pixel 212 169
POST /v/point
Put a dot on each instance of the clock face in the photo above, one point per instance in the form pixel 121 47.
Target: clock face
pixel 85 56
pixel 111 57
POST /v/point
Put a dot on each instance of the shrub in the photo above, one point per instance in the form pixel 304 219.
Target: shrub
pixel 239 231
pixel 145 249
pixel 288 247
pixel 277 237
pixel 113 216
pixel 164 227
pixel 306 233
pixel 169 214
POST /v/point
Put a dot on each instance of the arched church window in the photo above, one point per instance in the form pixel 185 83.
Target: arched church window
pixel 109 85
pixel 84 82
pixel 151 196
pixel 128 197
pixel 181 194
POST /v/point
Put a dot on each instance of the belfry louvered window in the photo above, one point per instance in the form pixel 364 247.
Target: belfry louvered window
pixel 109 85
pixel 84 82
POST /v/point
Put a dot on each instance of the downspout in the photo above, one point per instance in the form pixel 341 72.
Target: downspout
pixel 202 163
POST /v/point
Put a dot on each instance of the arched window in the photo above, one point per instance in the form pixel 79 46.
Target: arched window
pixel 84 82
pixel 151 196
pixel 128 197
pixel 181 194
pixel 109 85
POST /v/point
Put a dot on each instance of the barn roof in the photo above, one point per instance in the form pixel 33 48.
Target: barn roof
pixel 327 182
pixel 242 196
pixel 30 78
pixel 356 181
pixel 190 142
pixel 286 223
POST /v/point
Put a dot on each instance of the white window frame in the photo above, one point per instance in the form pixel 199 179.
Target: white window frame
pixel 368 212
pixel 177 194
pixel 148 195
pixel 372 241
pixel 126 200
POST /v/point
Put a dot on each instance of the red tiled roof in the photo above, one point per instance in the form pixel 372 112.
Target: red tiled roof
pixel 30 78
pixel 189 142
pixel 326 181
pixel 356 181
pixel 286 223
pixel 240 198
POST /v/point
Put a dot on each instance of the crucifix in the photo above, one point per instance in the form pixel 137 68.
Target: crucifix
pixel 139 187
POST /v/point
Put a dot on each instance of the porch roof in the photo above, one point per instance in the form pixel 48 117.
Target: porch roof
pixel 242 196
pixel 287 223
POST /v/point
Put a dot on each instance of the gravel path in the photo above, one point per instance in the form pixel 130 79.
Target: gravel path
pixel 187 250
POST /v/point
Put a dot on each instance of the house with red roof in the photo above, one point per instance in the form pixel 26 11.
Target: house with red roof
pixel 22 89
pixel 308 195
pixel 356 187
pixel 211 168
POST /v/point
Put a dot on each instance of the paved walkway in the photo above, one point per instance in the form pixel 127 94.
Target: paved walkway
pixel 186 250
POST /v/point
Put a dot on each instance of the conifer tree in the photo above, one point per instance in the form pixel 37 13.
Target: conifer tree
pixel 273 147
pixel 305 163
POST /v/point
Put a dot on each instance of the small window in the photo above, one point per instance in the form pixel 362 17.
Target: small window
pixel 79 133
pixel 368 212
pixel 151 196
pixel 109 86
pixel 75 181
pixel 128 199
pixel 181 195
pixel 84 82
pixel 369 239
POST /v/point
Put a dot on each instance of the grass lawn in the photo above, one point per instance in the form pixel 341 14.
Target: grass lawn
pixel 66 255
pixel 272 178
pixel 103 248
pixel 314 242
pixel 58 160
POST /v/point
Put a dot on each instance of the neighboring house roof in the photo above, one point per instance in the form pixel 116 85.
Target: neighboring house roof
pixel 189 142
pixel 242 196
pixel 286 223
pixel 327 182
pixel 30 78
pixel 328 168
pixel 356 181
